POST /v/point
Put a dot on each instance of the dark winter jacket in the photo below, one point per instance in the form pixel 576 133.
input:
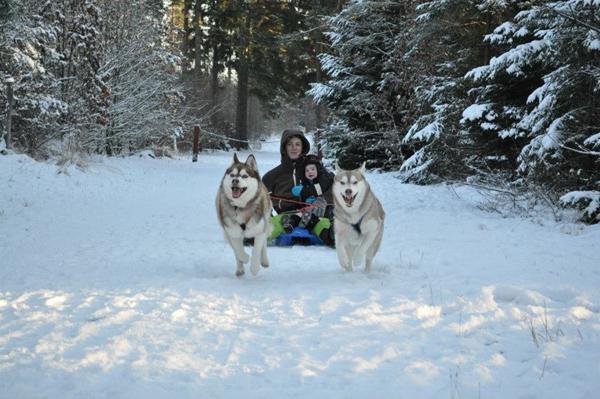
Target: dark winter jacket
pixel 281 179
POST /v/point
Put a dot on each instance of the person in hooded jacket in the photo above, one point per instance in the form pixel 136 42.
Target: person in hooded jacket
pixel 308 218
pixel 288 174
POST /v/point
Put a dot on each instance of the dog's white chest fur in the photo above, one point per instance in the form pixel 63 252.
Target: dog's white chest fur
pixel 242 226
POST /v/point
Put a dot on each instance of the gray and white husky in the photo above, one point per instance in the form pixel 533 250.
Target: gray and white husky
pixel 359 218
pixel 244 211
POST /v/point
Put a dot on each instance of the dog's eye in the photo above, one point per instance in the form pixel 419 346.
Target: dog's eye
pixel 244 176
pixel 354 183
pixel 231 175
pixel 343 183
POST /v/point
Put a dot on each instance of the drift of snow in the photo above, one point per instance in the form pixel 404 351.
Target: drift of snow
pixel 116 281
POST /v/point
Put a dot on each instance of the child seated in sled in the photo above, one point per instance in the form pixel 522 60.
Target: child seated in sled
pixel 304 192
pixel 281 179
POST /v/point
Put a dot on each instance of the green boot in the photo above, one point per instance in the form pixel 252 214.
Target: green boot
pixel 324 230
pixel 277 227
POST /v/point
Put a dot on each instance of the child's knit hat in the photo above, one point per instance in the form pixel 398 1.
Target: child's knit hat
pixel 311 159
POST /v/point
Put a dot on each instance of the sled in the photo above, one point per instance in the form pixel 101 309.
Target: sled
pixel 298 236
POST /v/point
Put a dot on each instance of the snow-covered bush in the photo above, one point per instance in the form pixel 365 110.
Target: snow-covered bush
pixel 97 72
pixel 542 93
pixel 588 202
pixel 26 57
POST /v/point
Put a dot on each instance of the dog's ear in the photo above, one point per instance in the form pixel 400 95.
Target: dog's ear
pixel 337 167
pixel 235 158
pixel 251 162
pixel 362 168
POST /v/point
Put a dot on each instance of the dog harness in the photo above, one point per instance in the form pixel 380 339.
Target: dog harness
pixel 242 225
pixel 356 226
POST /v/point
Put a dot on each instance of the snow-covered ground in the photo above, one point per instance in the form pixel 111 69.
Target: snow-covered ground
pixel 116 282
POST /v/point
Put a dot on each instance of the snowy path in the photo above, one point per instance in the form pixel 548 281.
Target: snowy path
pixel 116 283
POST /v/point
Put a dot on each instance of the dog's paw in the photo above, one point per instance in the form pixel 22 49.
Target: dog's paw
pixel 265 263
pixel 239 273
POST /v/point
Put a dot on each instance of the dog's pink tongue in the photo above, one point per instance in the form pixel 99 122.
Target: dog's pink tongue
pixel 236 192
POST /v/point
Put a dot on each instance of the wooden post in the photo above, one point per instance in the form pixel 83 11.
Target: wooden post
pixel 196 143
pixel 9 96
pixel 318 140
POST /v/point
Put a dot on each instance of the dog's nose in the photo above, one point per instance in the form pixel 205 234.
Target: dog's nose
pixel 348 191
pixel 235 182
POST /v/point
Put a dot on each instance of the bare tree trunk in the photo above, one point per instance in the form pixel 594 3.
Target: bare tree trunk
pixel 9 95
pixel 241 116
pixel 487 49
pixel 254 116
pixel 187 47
pixel 214 88
pixel 318 112
pixel 198 42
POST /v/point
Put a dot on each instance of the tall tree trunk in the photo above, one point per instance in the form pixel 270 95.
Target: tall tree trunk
pixel 198 41
pixel 318 111
pixel 187 30
pixel 241 116
pixel 487 47
pixel 9 95
pixel 254 115
pixel 215 117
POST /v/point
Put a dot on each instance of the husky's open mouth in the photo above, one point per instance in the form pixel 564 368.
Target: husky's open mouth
pixel 236 192
pixel 349 199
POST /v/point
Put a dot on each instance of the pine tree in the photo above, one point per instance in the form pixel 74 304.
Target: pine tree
pixel 492 120
pixel 448 42
pixel 364 87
